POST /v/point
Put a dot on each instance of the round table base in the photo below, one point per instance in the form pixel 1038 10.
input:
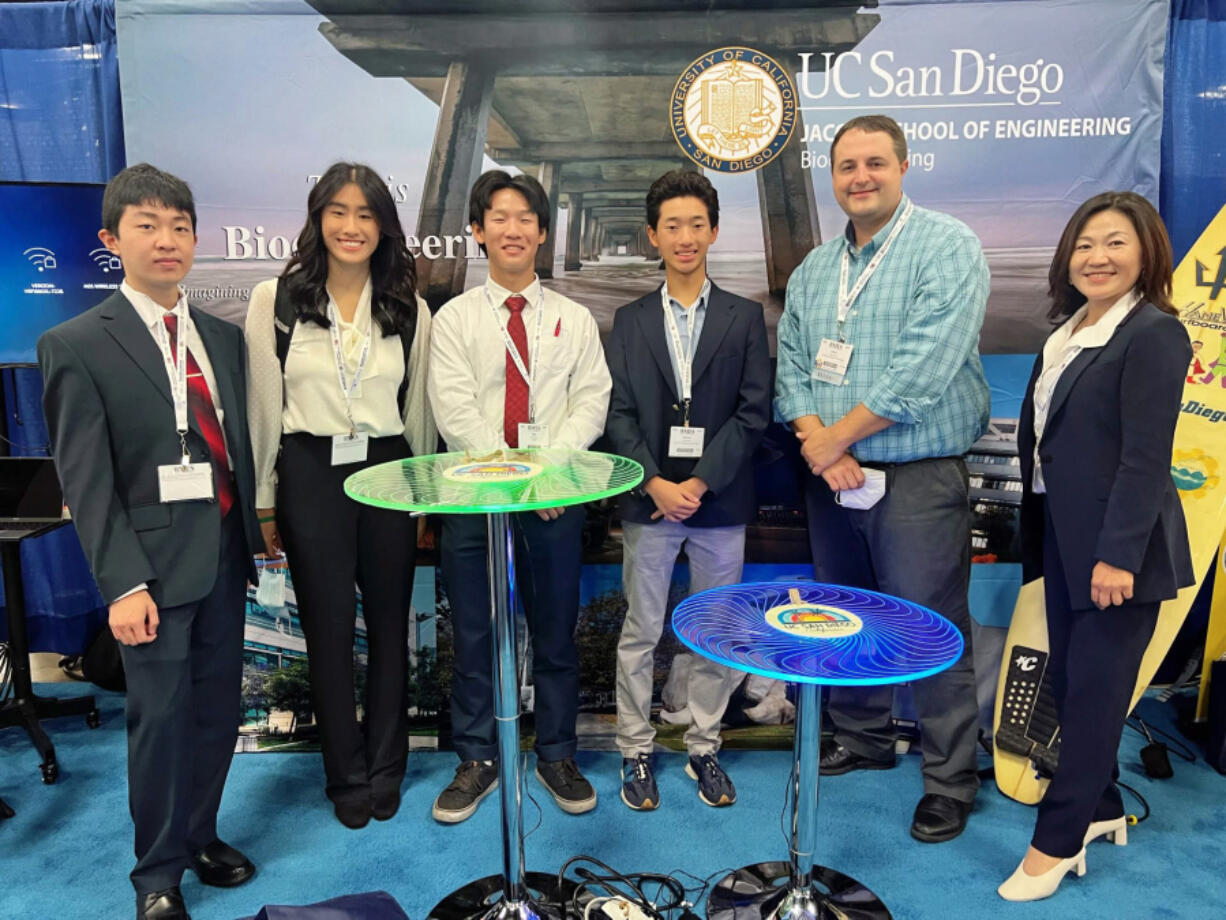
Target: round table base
pixel 762 892
pixel 483 900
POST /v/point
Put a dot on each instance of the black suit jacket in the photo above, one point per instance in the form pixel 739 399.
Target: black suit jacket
pixel 731 400
pixel 111 417
pixel 1106 456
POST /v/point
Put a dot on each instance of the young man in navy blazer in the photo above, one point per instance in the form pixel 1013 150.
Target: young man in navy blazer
pixel 691 401
pixel 156 466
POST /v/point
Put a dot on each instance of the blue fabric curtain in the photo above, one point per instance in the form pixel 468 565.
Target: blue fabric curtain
pixel 60 121
pixel 1193 182
pixel 60 117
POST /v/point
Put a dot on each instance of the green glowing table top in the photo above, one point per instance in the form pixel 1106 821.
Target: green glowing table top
pixel 509 480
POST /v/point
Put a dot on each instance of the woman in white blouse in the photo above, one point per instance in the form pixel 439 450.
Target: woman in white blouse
pixel 1101 519
pixel 337 350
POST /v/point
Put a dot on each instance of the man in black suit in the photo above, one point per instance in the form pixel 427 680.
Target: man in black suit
pixel 691 401
pixel 145 400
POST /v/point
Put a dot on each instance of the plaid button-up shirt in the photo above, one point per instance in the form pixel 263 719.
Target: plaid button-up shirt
pixel 915 331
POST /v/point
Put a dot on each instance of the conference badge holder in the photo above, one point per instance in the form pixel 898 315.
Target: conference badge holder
pixel 185 481
pixel 533 435
pixel 830 365
pixel 349 448
pixel 684 441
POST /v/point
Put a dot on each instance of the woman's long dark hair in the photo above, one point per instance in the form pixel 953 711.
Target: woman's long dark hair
pixel 393 274
pixel 1157 262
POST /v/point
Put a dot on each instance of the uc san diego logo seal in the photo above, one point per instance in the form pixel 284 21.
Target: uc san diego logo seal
pixel 815 621
pixel 492 471
pixel 733 110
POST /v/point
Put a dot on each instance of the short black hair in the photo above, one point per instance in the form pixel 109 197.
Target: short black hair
pixel 144 183
pixel 488 184
pixel 682 183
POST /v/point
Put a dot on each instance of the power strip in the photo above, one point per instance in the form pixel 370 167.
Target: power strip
pixel 615 909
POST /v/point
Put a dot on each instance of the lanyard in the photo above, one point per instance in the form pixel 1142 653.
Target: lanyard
pixel 513 350
pixel 348 387
pixel 176 371
pixel 685 359
pixel 847 299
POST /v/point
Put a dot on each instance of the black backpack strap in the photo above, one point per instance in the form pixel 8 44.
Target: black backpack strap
pixel 284 317
pixel 406 342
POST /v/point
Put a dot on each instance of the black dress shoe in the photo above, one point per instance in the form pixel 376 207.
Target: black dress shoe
pixel 353 813
pixel 161 905
pixel 939 818
pixel 221 866
pixel 837 760
pixel 383 805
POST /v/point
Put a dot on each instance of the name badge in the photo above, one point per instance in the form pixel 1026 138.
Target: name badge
pixel 533 435
pixel 830 365
pixel 185 482
pixel 685 442
pixel 349 448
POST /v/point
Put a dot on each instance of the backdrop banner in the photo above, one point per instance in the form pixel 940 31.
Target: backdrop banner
pixel 1012 119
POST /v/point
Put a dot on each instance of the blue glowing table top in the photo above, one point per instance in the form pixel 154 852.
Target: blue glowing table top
pixel 817 633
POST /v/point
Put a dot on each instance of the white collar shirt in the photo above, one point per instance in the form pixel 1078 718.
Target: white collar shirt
pixel 1061 348
pixel 466 381
pixel 152 314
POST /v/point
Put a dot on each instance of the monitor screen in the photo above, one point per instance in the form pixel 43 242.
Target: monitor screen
pixel 52 264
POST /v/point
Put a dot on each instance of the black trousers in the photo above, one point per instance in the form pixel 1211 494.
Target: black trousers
pixel 1094 656
pixel 332 542
pixel 548 557
pixel 915 544
pixel 183 710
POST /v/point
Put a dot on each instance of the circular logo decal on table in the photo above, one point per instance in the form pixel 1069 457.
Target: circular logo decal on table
pixel 814 621
pixel 493 471
pixel 733 110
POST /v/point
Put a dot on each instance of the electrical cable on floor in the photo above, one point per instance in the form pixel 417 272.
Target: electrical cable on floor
pixel 624 894
pixel 1133 819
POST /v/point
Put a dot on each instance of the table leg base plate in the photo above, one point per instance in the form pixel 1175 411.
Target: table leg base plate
pixel 762 892
pixel 484 900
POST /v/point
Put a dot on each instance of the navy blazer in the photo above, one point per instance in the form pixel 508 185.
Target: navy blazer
pixel 111 417
pixel 731 400
pixel 1106 455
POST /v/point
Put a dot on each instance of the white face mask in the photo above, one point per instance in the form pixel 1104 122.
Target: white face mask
pixel 867 495
pixel 270 593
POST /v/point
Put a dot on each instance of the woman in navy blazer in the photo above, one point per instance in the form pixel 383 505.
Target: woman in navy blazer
pixel 1101 520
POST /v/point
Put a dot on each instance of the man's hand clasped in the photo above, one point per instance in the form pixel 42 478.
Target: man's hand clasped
pixel 134 619
pixel 827 456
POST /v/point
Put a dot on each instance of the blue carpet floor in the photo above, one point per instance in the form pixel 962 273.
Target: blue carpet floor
pixel 67 852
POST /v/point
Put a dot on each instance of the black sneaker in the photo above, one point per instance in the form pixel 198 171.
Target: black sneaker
pixel 639 783
pixel 474 780
pixel 566 784
pixel 714 786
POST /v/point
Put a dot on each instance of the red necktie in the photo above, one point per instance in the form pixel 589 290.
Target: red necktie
pixel 200 404
pixel 515 408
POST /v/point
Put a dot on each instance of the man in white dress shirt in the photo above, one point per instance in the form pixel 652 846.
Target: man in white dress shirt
pixel 513 365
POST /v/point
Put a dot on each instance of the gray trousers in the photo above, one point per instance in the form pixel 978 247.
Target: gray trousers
pixel 914 544
pixel 716 557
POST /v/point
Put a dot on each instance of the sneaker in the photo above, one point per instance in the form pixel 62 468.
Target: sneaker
pixel 714 786
pixel 566 784
pixel 474 780
pixel 639 790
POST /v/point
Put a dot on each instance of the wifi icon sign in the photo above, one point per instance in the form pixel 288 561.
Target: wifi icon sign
pixel 105 260
pixel 41 257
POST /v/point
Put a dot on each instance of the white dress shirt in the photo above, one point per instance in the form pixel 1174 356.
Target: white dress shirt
pixel 153 314
pixel 468 357
pixel 308 398
pixel 1061 348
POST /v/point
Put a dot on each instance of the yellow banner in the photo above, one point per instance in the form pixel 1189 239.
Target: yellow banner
pixel 1198 463
pixel 1200 294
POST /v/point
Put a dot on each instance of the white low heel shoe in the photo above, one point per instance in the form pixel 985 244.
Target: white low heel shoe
pixel 1022 887
pixel 1115 830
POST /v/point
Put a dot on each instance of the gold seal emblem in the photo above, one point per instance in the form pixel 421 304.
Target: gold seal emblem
pixel 733 110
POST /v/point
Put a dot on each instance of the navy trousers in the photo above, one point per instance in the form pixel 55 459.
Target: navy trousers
pixel 548 557
pixel 1094 656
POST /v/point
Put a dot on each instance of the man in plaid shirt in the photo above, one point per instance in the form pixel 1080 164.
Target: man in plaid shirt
pixel 879 376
